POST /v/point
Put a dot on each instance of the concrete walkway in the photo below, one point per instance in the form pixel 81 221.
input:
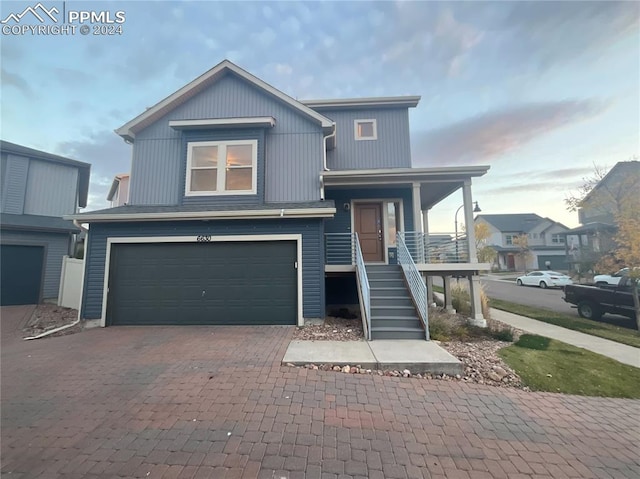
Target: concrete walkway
pixel 620 352
pixel 418 356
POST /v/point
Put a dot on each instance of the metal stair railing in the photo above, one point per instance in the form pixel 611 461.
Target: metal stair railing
pixel 417 286
pixel 364 291
pixel 339 248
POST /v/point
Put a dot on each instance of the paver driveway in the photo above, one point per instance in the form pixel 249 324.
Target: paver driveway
pixel 213 402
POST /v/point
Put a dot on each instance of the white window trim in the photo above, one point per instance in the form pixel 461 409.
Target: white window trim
pixel 221 168
pixel 193 239
pixel 367 138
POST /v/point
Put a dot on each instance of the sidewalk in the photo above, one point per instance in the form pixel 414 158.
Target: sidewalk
pixel 620 352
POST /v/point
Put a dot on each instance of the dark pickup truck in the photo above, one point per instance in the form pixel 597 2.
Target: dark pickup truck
pixel 593 301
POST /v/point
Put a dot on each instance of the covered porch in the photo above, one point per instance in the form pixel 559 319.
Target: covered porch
pixel 385 209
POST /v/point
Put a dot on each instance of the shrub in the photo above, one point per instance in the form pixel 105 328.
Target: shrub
pixel 461 301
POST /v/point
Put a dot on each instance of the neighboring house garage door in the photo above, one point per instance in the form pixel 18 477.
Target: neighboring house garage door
pixel 217 283
pixel 21 277
pixel 555 262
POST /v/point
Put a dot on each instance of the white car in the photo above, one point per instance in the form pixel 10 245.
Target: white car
pixel 610 278
pixel 544 279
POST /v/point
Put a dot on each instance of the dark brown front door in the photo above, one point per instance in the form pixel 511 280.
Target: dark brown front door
pixel 368 225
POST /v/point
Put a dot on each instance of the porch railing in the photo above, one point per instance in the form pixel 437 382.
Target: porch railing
pixel 436 247
pixel 339 248
pixel 417 286
pixel 364 292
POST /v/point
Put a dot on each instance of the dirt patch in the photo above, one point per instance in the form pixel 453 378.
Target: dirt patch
pixel 50 316
pixel 332 329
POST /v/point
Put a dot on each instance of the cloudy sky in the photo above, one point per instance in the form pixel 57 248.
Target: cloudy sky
pixel 539 91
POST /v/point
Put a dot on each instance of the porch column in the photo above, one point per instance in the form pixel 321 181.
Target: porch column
pixel 446 282
pixel 468 222
pixel 477 318
pixel 417 209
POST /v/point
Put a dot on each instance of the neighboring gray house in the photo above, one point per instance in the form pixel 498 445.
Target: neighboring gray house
pixel 545 238
pixel 244 205
pixel 38 188
pixel 594 238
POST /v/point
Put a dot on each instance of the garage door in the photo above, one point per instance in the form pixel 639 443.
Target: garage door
pixel 203 283
pixel 555 262
pixel 21 276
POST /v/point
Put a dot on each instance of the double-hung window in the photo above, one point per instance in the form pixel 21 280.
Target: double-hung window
pixel 221 168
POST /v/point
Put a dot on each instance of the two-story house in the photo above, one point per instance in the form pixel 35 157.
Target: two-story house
pixel 247 206
pixel 545 245
pixel 594 238
pixel 38 188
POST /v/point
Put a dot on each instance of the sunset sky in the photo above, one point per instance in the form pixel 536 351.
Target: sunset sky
pixel 539 91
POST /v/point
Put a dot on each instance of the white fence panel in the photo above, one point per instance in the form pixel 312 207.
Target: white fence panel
pixel 71 282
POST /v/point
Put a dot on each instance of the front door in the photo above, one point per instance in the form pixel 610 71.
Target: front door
pixel 368 224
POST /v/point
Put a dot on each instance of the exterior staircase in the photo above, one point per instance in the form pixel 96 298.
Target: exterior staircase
pixel 393 314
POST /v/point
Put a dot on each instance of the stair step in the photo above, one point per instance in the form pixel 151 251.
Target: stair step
pixel 391 300
pixel 399 311
pixel 389 292
pixel 397 333
pixel 382 267
pixel 396 323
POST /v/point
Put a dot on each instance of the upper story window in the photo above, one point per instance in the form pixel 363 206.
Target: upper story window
pixel 366 129
pixel 221 168
pixel 557 238
pixel 508 239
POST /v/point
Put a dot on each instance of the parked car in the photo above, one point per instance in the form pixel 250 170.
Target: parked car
pixel 610 278
pixel 593 301
pixel 544 279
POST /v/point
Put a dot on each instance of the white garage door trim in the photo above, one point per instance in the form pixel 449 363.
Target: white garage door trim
pixel 198 239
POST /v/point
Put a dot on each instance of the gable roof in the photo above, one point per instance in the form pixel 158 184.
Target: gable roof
pixel 516 223
pixel 623 169
pixel 84 169
pixel 129 129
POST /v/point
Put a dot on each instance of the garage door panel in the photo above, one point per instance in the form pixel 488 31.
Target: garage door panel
pixel 203 283
pixel 21 274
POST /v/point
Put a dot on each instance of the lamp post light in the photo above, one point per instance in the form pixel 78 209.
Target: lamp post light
pixel 476 209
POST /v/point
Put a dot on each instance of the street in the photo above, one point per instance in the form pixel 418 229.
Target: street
pixel 550 298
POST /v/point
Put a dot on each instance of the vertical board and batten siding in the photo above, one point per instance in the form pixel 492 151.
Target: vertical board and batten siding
pixel 49 191
pixel 293 145
pixel 15 185
pixel 312 252
pixel 390 150
pixel 56 247
pixel 222 135
pixel 341 222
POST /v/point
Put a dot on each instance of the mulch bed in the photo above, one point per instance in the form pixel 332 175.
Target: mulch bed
pixel 50 316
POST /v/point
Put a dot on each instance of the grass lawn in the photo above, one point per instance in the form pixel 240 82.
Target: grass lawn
pixel 548 365
pixel 595 328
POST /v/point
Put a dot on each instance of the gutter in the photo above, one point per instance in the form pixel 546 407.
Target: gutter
pixel 195 215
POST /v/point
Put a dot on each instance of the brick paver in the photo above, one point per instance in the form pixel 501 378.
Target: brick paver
pixel 214 402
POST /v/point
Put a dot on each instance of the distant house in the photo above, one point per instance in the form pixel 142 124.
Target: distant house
pixel 587 243
pixel 119 191
pixel 545 238
pixel 38 188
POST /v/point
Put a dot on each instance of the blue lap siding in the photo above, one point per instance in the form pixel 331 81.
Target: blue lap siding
pixel 313 293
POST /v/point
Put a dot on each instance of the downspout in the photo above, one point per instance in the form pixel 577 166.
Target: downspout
pixel 331 135
pixel 324 159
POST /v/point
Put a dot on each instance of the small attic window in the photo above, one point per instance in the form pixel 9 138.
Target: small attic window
pixel 365 130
